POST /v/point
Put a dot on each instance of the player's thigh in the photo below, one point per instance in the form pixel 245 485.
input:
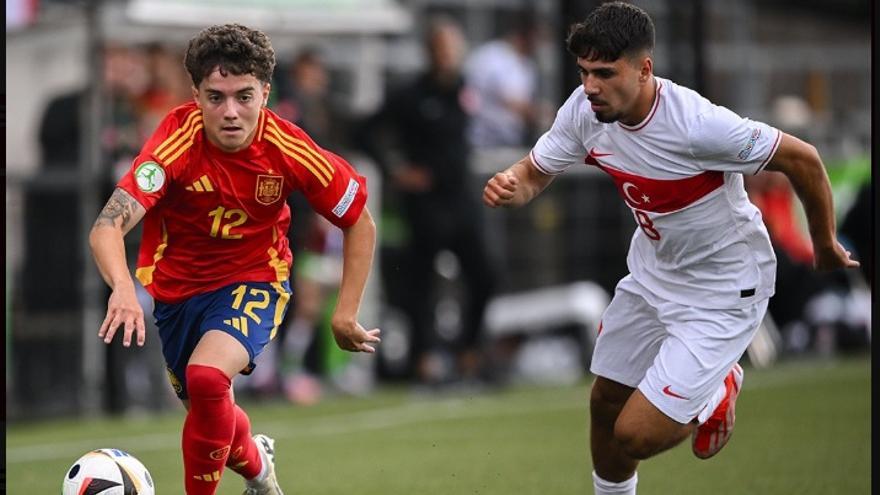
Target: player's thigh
pixel 702 347
pixel 630 335
pixel 220 350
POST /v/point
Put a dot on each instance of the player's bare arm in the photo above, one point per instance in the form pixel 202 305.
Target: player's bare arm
pixel 516 186
pixel 358 246
pixel 800 162
pixel 121 213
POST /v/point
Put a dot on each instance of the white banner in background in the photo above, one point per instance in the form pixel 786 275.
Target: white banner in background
pixel 301 16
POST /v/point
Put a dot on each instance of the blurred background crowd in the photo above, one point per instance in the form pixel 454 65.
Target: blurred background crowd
pixel 427 98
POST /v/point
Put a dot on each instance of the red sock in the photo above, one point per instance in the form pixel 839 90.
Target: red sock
pixel 208 428
pixel 244 457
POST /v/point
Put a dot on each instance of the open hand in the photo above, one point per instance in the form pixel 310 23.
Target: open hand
pixel 351 336
pixel 123 309
pixel 833 257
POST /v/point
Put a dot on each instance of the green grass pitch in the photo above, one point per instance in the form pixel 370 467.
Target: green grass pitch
pixel 802 427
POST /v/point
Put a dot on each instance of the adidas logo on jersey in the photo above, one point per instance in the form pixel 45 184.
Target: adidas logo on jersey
pixel 240 324
pixel 201 185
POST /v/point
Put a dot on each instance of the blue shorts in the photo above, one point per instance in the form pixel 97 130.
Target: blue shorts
pixel 249 311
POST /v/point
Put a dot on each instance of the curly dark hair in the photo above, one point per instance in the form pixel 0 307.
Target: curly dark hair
pixel 236 49
pixel 610 31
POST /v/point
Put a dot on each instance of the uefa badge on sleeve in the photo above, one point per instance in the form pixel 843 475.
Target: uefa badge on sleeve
pixel 150 177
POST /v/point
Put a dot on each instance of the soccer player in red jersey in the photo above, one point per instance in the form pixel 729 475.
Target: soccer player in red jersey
pixel 210 185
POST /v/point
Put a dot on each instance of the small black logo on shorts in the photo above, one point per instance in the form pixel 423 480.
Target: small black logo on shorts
pixel 747 293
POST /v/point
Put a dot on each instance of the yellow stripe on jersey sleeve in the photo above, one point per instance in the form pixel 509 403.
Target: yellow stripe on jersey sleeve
pixel 189 139
pixel 182 130
pixel 299 158
pixel 301 146
pixel 294 141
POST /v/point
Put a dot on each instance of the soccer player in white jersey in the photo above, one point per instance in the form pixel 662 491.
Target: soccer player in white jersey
pixel 701 264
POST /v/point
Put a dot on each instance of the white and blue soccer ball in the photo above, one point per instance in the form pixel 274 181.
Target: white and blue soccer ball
pixel 107 472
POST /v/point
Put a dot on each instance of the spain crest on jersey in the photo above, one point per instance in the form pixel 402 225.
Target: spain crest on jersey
pixel 268 188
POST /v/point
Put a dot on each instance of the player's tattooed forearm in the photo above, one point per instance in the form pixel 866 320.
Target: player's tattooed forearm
pixel 120 205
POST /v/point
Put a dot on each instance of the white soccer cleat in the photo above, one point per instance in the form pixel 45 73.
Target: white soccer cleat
pixel 269 484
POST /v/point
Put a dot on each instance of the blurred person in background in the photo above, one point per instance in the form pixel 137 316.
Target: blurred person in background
pixel 124 126
pixel 814 310
pixel 426 120
pixel 125 81
pixel 504 78
pixel 210 185
pixel 701 263
pixel 306 98
pixel 168 85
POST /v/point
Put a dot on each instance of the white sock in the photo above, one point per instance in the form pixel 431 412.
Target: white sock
pixel 264 470
pixel 603 487
pixel 716 399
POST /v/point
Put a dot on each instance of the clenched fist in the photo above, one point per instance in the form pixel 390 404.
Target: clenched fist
pixel 501 189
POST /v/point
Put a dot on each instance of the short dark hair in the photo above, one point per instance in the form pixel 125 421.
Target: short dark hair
pixel 236 49
pixel 611 30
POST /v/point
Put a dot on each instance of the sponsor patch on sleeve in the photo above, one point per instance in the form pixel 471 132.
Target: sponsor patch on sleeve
pixel 345 202
pixel 747 151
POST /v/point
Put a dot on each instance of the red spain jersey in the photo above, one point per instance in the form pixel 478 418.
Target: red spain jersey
pixel 214 218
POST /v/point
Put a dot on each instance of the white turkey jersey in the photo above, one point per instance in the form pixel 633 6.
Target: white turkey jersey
pixel 700 241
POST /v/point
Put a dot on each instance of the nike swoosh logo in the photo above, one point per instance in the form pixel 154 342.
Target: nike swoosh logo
pixel 596 154
pixel 667 391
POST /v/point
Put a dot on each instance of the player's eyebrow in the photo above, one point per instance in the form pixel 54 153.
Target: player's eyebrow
pixel 239 91
pixel 600 71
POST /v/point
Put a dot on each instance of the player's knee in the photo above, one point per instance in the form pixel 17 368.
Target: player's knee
pixel 605 404
pixel 206 382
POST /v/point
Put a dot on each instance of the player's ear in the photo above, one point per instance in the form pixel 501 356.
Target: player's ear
pixel 267 87
pixel 195 94
pixel 646 68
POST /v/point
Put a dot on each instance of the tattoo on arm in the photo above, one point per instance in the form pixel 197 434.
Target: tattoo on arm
pixel 120 206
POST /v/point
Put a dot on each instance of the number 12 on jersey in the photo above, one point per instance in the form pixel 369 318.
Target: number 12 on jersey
pixel 235 216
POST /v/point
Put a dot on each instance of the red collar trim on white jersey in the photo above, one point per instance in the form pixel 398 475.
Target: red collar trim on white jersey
pixel 650 114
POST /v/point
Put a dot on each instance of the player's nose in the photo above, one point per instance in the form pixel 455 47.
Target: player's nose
pixel 590 89
pixel 230 111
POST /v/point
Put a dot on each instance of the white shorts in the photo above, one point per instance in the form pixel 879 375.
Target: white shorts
pixel 676 355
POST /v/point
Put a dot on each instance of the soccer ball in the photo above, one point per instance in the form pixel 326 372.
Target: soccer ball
pixel 107 472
